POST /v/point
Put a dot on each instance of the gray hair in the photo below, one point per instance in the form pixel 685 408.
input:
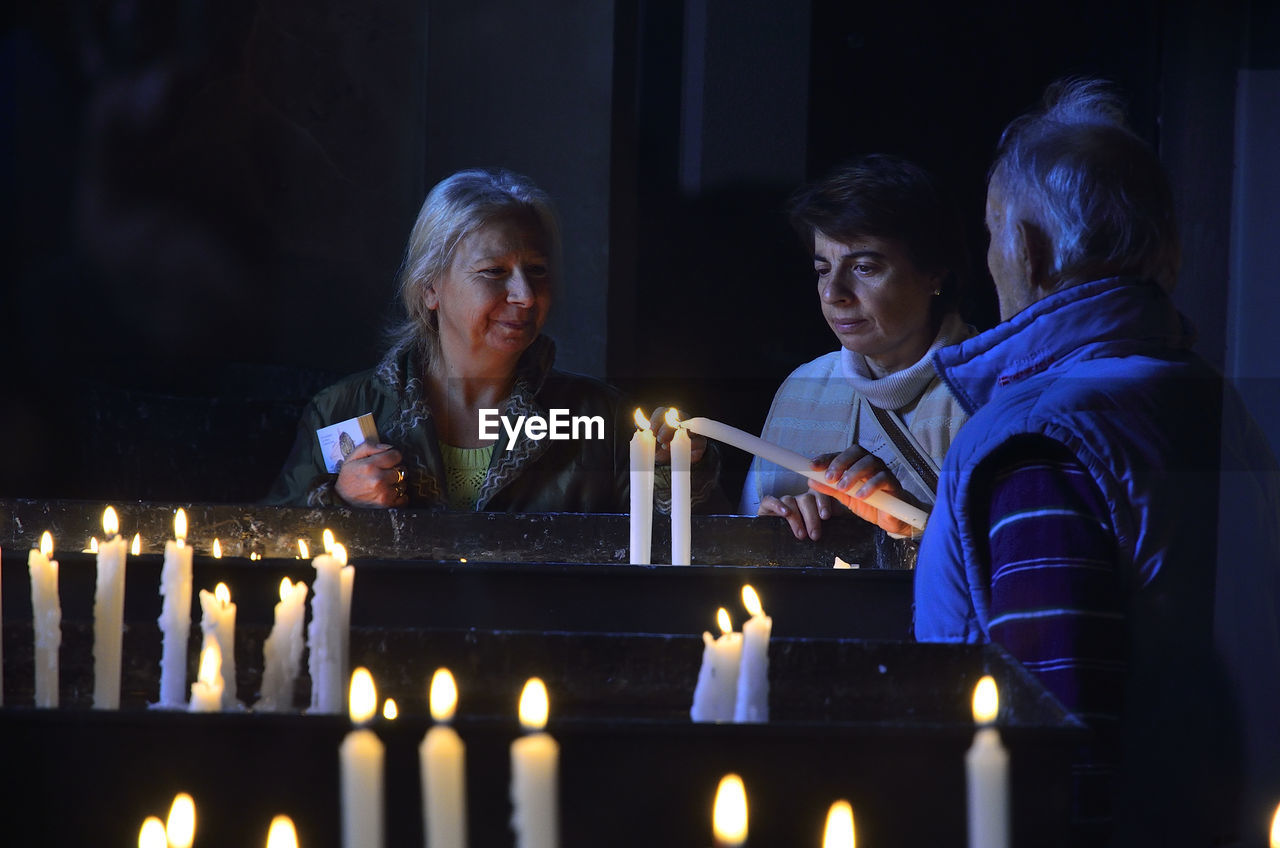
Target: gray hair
pixel 456 207
pixel 1077 169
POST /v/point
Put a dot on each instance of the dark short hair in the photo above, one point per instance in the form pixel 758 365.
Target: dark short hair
pixel 888 197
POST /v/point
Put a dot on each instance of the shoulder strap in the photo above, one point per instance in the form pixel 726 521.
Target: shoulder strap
pixel 906 446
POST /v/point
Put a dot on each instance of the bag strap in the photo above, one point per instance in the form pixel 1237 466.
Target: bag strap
pixel 906 446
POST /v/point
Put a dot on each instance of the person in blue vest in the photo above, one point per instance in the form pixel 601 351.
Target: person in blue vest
pixel 1110 514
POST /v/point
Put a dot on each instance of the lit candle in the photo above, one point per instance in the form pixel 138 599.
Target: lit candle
pixel 108 615
pixel 206 692
pixel 389 709
pixel 729 815
pixel 304 550
pixel 46 619
pixel 346 580
pixel 180 828
pixel 681 491
pixel 218 621
pixel 361 758
pixel 801 465
pixel 752 703
pixel 282 833
pixel 152 834
pixel 282 652
pixel 175 615
pixel 136 547
pixel 643 447
pixel 217 549
pixel 324 633
pixel 442 761
pixel 535 761
pixel 1275 828
pixel 717 690
pixel 987 773
pixel 839 830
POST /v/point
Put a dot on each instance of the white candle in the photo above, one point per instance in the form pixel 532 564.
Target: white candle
pixel 752 703
pixel 729 813
pixel 361 758
pixel 175 616
pixel 108 615
pixel 681 491
pixel 282 652
pixel 643 447
pixel 218 621
pixel 346 579
pixel 987 773
pixel 793 461
pixel 838 832
pixel 717 690
pixel 324 634
pixel 206 692
pixel 46 614
pixel 535 761
pixel 442 761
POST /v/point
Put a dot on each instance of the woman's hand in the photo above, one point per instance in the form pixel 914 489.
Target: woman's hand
pixel 852 475
pixel 805 513
pixel 664 433
pixel 372 476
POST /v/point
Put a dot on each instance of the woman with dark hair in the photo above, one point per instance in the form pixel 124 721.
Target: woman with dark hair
pixel 890 264
pixel 477 284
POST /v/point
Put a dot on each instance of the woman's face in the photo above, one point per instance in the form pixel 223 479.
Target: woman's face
pixel 494 298
pixel 875 299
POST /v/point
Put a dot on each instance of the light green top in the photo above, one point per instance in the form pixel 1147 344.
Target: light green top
pixel 464 470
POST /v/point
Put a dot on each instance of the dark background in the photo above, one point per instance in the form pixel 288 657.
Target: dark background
pixel 206 203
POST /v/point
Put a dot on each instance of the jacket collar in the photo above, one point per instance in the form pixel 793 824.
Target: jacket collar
pixel 1115 316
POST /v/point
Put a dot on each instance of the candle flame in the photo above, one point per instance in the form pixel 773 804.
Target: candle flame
pixel 93 544
pixel 210 662
pixel 217 549
pixel 180 829
pixel 222 594
pixel 152 834
pixel 46 544
pixel 986 700
pixel 282 833
pixel 304 550
pixel 642 421
pixel 389 709
pixel 137 544
pixel 340 554
pixel 363 697
pixel 729 815
pixel 180 525
pixel 722 618
pixel 672 417
pixel 444 695
pixel 533 705
pixel 286 588
pixel 327 540
pixel 110 523
pixel 1275 828
pixel 254 555
pixel 751 601
pixel 839 832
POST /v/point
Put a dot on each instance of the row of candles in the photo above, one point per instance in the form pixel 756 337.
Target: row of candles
pixel 733 681
pixel 179 829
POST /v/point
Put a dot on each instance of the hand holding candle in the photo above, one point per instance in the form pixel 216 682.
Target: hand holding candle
pixel 753 679
pixel 717 689
pixel 641 480
pixel 535 760
pixel 442 761
pixel 46 611
pixel 361 757
pixel 987 773
pixel 729 813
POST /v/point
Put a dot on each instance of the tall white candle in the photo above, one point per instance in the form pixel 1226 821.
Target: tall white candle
pixel 346 579
pixel 282 652
pixel 753 676
pixel 643 447
pixel 987 773
pixel 361 760
pixel 681 491
pixel 175 616
pixel 442 761
pixel 108 615
pixel 838 832
pixel 206 692
pixel 535 763
pixel 46 613
pixel 717 689
pixel 218 621
pixel 729 813
pixel 324 634
pixel 793 461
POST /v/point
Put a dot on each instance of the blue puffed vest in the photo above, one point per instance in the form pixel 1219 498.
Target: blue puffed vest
pixel 1105 369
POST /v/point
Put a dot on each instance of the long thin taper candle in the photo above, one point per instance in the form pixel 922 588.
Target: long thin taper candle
pixel 108 614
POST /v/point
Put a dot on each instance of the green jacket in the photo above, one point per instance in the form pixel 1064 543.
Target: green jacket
pixel 545 475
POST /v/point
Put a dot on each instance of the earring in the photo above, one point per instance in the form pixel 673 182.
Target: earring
pixel 937 292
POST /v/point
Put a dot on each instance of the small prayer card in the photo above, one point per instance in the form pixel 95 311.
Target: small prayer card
pixel 337 441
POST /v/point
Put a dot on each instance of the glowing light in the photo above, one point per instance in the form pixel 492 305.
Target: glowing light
pixel 327 540
pixel 180 525
pixel 222 594
pixel 282 833
pixel 93 544
pixel 642 421
pixel 210 663
pixel 389 709
pixel 180 829
pixel 444 695
pixel 672 417
pixel 839 831
pixel 986 700
pixel 533 705
pixel 722 618
pixel 304 550
pixel 46 544
pixel 363 697
pixel 286 588
pixel 1275 828
pixel 110 523
pixel 340 554
pixel 729 815
pixel 152 834
pixel 751 601
pixel 217 549
pixel 137 544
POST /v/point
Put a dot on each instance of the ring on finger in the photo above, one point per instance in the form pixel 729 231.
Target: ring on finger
pixel 399 475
